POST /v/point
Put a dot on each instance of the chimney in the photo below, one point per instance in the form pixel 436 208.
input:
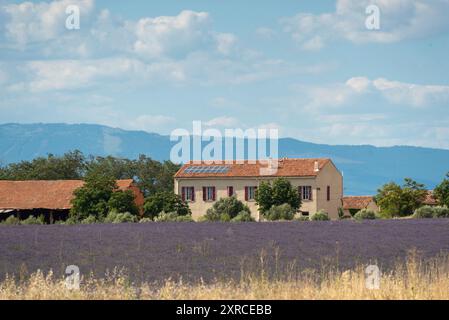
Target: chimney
pixel 316 167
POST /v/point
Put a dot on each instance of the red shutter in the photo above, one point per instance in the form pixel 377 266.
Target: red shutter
pixel 204 194
pixel 213 194
pixel 193 193
pixel 246 193
pixel 183 193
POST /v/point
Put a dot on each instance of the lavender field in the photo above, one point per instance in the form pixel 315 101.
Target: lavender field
pixel 157 251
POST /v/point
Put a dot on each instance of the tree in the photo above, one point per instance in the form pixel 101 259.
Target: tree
pixel 93 197
pixel 395 200
pixel 69 166
pixel 226 209
pixel 441 192
pixel 278 193
pixel 123 201
pixel 165 202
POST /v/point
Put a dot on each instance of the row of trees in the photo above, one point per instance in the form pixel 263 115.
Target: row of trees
pixel 397 200
pixel 151 176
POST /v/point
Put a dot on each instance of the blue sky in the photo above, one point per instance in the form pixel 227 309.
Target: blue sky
pixel 309 68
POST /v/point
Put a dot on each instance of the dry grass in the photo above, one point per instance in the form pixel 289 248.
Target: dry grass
pixel 415 279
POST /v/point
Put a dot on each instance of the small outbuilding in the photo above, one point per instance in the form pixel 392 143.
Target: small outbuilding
pixel 52 199
pixel 353 204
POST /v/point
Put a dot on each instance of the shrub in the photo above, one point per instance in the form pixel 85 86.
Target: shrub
pixel 320 216
pixel 441 212
pixel 226 209
pixel 303 218
pixel 165 202
pixel 12 220
pixel 172 217
pixel 71 221
pixel 145 220
pixel 33 220
pixel 282 212
pixel 89 220
pixel 425 212
pixel 365 214
pixel 243 216
pixel 115 217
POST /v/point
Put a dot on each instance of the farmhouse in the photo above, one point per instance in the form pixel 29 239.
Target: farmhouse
pixel 49 198
pixel 353 204
pixel 318 181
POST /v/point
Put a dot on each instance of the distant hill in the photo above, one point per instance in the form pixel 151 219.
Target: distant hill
pixel 365 168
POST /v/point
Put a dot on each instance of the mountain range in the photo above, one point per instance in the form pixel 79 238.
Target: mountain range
pixel 365 168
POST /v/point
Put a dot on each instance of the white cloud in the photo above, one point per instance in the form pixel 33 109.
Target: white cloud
pixel 225 42
pixel 395 92
pixel 171 35
pixel 73 74
pixel 399 20
pixel 151 123
pixel 224 122
pixel 359 84
pixel 412 94
pixel 29 22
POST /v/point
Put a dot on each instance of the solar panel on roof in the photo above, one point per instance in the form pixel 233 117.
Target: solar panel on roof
pixel 207 169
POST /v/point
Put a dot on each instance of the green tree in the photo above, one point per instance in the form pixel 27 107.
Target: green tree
pixel 226 209
pixel 395 200
pixel 278 193
pixel 441 192
pixel 165 202
pixel 93 197
pixel 69 166
pixel 123 201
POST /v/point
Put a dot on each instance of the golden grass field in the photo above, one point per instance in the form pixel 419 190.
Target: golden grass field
pixel 415 279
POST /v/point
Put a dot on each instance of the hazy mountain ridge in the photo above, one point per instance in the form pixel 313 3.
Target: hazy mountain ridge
pixel 365 168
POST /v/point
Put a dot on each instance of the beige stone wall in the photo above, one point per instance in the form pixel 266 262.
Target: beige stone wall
pixel 329 175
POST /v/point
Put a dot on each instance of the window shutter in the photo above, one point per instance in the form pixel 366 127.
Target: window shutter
pixel 328 193
pixel 193 193
pixel 213 194
pixel 300 192
pixel 183 193
pixel 230 191
pixel 246 193
pixel 311 193
pixel 204 194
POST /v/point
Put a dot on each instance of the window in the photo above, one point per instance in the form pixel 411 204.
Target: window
pixel 328 193
pixel 230 191
pixel 250 193
pixel 305 213
pixel 305 192
pixel 208 193
pixel 188 194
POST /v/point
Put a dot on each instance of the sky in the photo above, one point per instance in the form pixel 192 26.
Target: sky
pixel 311 69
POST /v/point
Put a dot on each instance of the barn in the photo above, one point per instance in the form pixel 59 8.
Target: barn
pixel 52 199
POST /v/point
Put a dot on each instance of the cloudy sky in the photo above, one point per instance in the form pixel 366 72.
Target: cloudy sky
pixel 311 69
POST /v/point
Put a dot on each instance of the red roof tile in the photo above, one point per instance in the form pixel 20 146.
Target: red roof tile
pixel 356 202
pixel 287 168
pixel 54 195
pixel 430 199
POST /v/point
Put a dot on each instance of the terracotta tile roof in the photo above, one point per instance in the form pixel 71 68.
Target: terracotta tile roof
pixel 430 199
pixel 43 194
pixel 356 202
pixel 287 168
